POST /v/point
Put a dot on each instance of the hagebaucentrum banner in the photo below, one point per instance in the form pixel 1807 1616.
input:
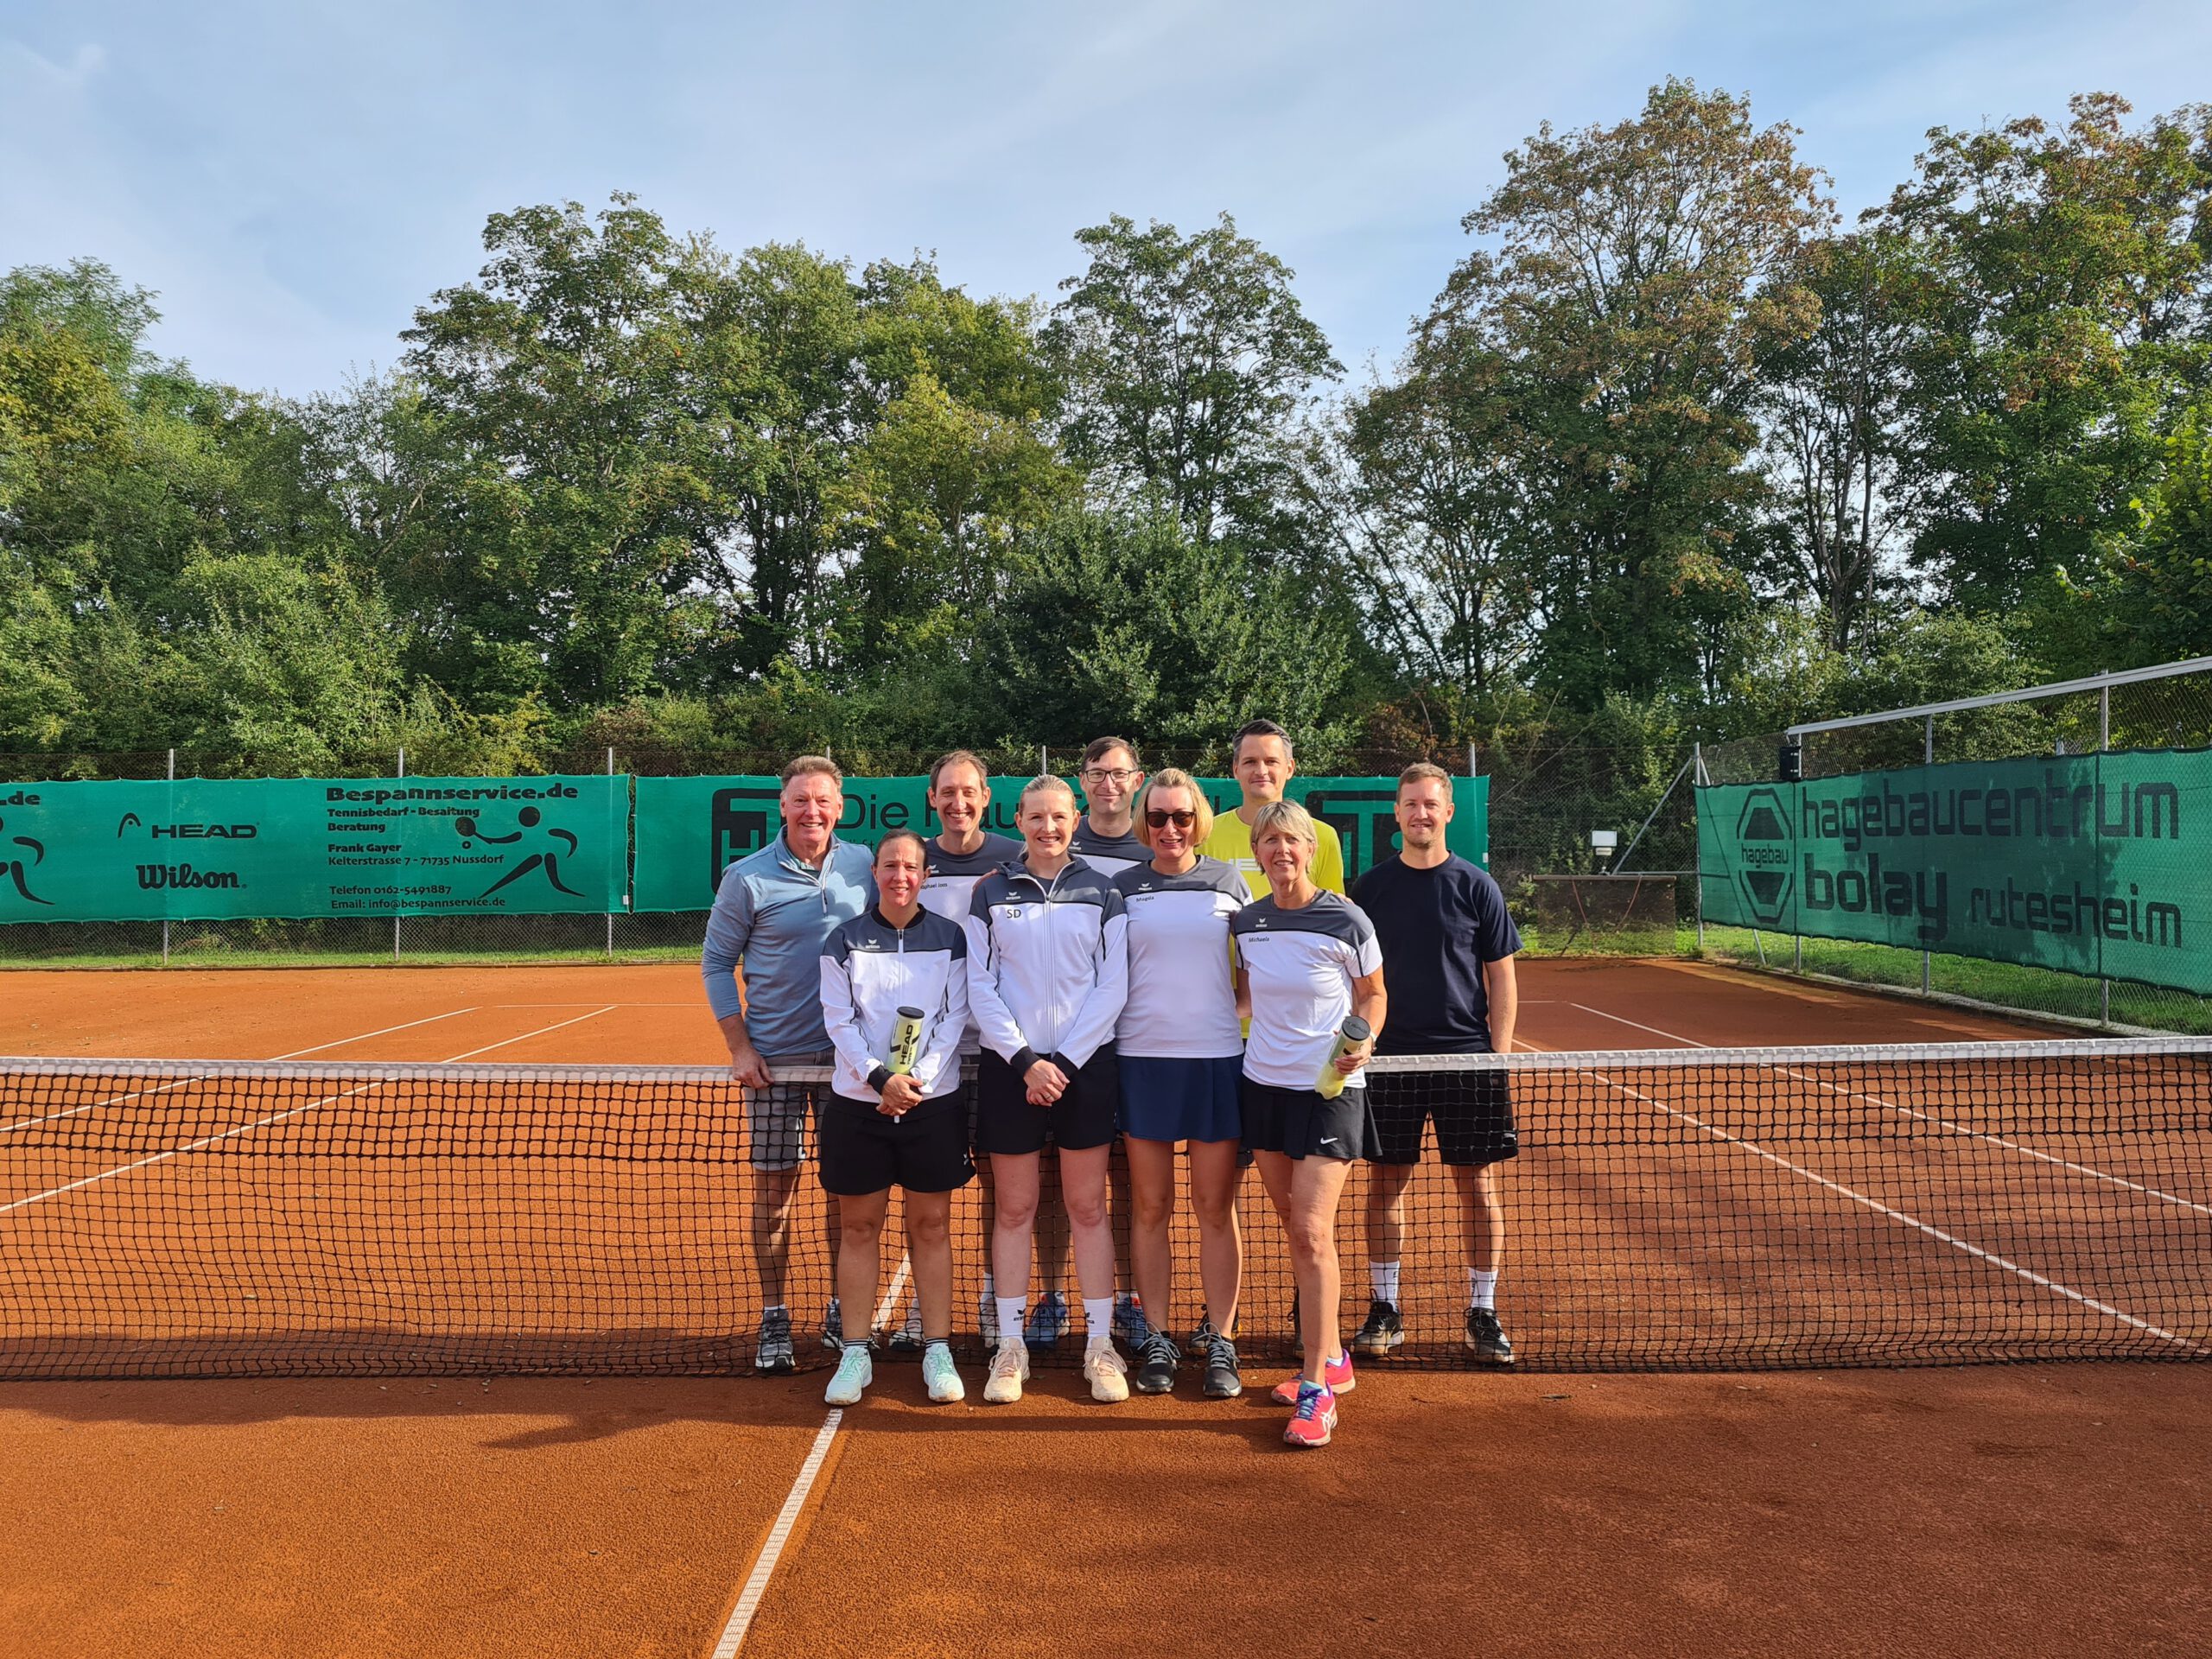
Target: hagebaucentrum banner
pixel 194 848
pixel 2098 864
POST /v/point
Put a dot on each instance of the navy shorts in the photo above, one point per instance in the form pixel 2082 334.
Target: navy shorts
pixel 1182 1100
pixel 1473 1112
pixel 862 1151
pixel 1302 1123
pixel 1082 1118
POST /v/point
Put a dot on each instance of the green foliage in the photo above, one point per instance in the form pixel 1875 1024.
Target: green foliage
pixel 1671 456
pixel 1187 360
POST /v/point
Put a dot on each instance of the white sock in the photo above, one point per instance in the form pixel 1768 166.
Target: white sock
pixel 775 1307
pixel 1383 1276
pixel 1010 1318
pixel 1098 1316
pixel 1481 1288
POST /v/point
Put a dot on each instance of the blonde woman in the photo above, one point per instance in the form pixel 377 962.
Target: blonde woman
pixel 1308 961
pixel 1181 1053
pixel 1047 974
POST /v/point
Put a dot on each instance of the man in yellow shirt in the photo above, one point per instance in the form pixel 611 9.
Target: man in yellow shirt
pixel 1261 761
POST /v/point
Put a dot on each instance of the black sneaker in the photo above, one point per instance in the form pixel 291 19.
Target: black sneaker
pixel 1223 1380
pixel 1487 1337
pixel 1156 1365
pixel 833 1328
pixel 907 1339
pixel 1383 1331
pixel 772 1350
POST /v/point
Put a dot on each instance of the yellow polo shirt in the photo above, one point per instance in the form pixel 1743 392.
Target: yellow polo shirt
pixel 1231 843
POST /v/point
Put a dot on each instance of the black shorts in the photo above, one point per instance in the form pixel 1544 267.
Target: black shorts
pixel 1303 1123
pixel 1082 1118
pixel 862 1151
pixel 1473 1112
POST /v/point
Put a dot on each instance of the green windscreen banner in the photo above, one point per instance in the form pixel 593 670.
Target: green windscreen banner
pixel 196 849
pixel 688 828
pixel 2098 864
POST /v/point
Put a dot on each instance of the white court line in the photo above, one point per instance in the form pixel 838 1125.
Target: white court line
pixel 884 1308
pixel 1982 1135
pixel 275 1117
pixel 186 1082
pixel 1900 1216
pixel 756 1582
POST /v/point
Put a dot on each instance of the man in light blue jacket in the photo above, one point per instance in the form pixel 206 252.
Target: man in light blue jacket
pixel 774 911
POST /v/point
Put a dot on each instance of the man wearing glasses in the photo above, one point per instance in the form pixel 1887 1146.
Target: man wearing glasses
pixel 1105 836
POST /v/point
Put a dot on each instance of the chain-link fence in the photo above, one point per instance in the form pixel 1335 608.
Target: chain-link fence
pixel 2172 711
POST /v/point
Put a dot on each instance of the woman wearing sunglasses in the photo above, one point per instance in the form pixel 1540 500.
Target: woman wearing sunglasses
pixel 1181 1048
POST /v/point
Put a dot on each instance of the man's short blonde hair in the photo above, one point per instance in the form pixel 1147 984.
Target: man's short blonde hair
pixel 1176 778
pixel 1423 772
pixel 1284 817
pixel 815 765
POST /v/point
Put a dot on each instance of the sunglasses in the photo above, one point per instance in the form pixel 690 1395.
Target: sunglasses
pixel 1160 820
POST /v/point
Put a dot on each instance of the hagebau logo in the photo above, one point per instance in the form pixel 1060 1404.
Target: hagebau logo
pixel 1764 843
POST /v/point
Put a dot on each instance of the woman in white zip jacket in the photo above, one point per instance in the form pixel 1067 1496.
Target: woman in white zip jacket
pixel 1047 974
pixel 897 1117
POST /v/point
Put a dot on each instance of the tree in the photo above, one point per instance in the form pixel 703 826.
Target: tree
pixel 1188 359
pixel 585 447
pixel 1116 621
pixel 1445 518
pixel 1832 405
pixel 1638 277
pixel 2065 319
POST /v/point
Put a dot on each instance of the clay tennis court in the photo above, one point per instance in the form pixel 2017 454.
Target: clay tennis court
pixel 1985 1509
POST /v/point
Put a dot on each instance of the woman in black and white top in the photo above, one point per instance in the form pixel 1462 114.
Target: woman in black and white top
pixel 1180 1046
pixel 898 1117
pixel 1308 961
pixel 1047 974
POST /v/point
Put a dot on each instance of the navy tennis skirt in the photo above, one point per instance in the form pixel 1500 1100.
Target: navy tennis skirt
pixel 1181 1099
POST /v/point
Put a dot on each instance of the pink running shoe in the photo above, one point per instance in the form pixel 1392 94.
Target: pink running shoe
pixel 1339 1379
pixel 1315 1418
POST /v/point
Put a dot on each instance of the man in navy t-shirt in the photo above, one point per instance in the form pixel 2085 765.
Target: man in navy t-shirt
pixel 1447 957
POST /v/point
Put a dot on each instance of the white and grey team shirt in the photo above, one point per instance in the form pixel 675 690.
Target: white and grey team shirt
pixel 1048 966
pixel 1301 964
pixel 1182 1003
pixel 949 882
pixel 870 970
pixel 1108 855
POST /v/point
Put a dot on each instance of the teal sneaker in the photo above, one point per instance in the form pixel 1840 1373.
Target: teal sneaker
pixel 855 1370
pixel 941 1375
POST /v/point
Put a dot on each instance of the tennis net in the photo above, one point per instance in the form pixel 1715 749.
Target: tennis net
pixel 1675 1208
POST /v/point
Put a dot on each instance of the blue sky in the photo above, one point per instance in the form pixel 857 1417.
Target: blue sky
pixel 294 180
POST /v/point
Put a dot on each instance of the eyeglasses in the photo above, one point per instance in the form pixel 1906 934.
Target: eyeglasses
pixel 1108 775
pixel 1160 820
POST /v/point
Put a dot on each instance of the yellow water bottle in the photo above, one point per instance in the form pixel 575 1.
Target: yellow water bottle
pixel 1331 1083
pixel 905 1043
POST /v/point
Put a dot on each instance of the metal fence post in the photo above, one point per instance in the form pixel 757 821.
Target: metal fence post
pixel 1697 845
pixel 165 920
pixel 2104 742
pixel 624 855
pixel 1044 761
pixel 1928 758
pixel 402 772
